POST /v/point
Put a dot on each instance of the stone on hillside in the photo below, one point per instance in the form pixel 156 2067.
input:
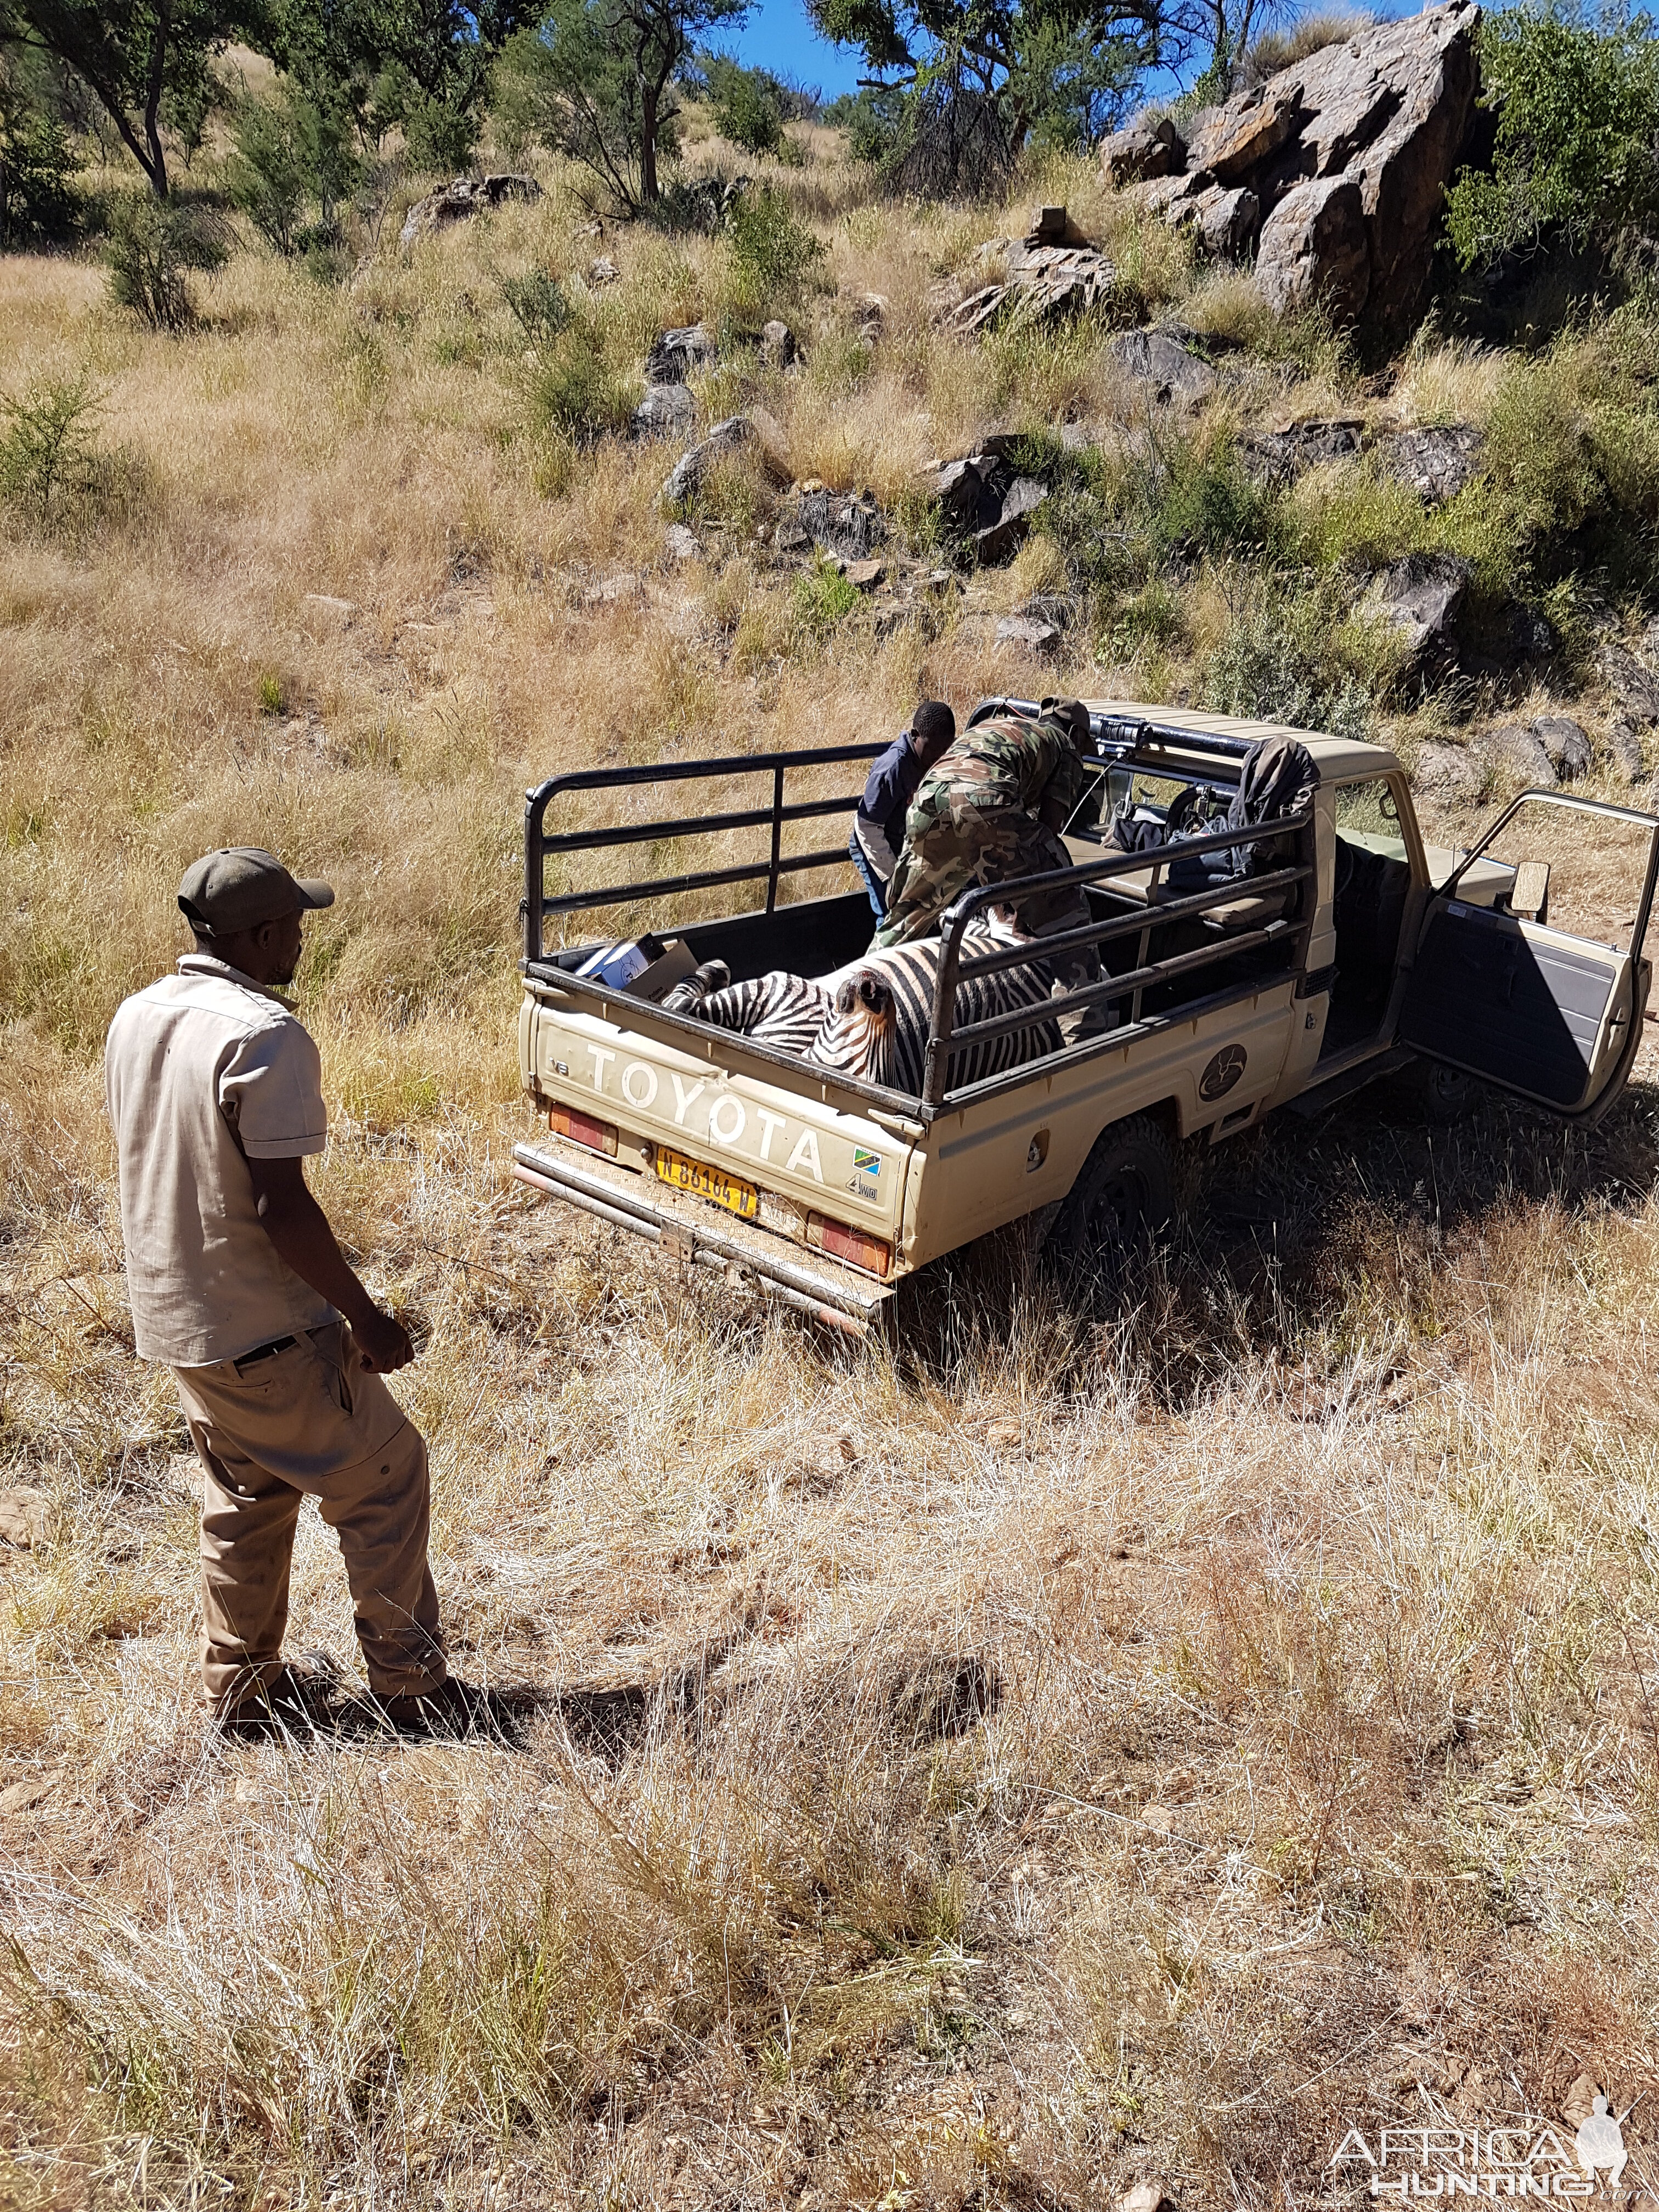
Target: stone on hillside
pixel 1051 273
pixel 1448 773
pixel 1635 688
pixel 1625 747
pixel 738 434
pixel 1149 147
pixel 1009 531
pixel 1313 250
pixel 1226 219
pixel 850 525
pixel 870 311
pixel 1420 598
pixel 675 356
pixel 459 201
pixel 1435 464
pixel 1517 746
pixel 1145 2197
pixel 1032 634
pixel 1387 110
pixel 1240 136
pixel 778 348
pixel 23 1517
pixel 1168 372
pixel 602 271
pixel 1284 454
pixel 865 575
pixel 1566 744
pixel 668 410
pixel 680 544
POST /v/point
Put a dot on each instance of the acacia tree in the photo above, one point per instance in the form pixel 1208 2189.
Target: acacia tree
pixel 595 81
pixel 133 56
pixel 957 86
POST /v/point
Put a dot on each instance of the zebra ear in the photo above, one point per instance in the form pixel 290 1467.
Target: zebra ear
pixel 847 997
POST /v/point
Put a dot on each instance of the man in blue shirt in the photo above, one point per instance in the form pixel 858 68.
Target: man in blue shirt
pixel 878 822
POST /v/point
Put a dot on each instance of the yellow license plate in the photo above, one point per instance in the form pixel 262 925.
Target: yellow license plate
pixel 708 1183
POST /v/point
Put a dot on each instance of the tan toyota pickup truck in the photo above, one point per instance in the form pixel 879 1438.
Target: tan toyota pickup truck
pixel 1353 950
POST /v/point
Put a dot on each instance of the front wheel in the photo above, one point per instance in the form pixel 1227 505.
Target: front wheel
pixel 1123 1199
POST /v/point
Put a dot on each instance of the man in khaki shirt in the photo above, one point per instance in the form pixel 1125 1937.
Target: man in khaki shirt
pixel 237 1284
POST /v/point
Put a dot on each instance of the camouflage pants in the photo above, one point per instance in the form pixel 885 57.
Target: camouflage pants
pixel 958 852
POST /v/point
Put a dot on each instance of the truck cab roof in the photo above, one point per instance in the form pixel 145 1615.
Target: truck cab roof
pixel 1338 760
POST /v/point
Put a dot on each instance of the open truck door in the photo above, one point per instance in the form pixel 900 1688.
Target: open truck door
pixel 1499 992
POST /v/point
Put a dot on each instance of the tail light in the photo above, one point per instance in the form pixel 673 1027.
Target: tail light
pixel 582 1129
pixel 856 1246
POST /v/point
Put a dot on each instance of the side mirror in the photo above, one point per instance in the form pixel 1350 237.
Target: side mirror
pixel 1529 893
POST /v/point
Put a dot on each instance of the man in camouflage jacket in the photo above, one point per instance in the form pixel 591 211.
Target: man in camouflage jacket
pixel 992 808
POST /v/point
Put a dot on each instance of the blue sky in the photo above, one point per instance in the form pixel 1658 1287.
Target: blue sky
pixel 779 36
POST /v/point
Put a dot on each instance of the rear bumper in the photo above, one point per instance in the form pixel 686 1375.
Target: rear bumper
pixel 701 1236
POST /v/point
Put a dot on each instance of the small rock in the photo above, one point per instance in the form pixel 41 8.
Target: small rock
pixel 1283 454
pixel 1450 773
pixel 677 354
pixel 23 1517
pixel 686 478
pixel 1517 746
pixel 1566 744
pixel 1634 687
pixel 1435 464
pixel 326 603
pixel 627 585
pixel 791 537
pixel 778 348
pixel 1010 530
pixel 1532 635
pixel 1150 146
pixel 1076 438
pixel 1160 1819
pixel 865 575
pixel 1029 632
pixel 1145 2197
pixel 1625 747
pixel 1168 370
pixel 1420 598
pixel 680 544
pixel 870 312
pixel 668 410
pixel 602 271
pixel 35 1789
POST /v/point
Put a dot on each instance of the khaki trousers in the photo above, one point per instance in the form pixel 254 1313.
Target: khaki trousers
pixel 309 1421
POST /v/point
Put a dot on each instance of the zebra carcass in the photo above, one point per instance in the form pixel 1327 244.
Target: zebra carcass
pixel 870 1020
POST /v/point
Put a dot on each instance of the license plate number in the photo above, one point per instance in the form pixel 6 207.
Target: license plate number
pixel 741 1197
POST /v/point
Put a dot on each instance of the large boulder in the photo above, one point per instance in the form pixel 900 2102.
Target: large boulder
pixel 1161 368
pixel 1420 598
pixel 458 201
pixel 1387 111
pixel 1313 250
pixel 1150 147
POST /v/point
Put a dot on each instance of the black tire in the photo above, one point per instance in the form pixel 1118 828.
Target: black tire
pixel 1123 1199
pixel 1444 1094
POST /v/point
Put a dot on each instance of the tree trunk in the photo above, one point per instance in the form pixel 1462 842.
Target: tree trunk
pixel 649 191
pixel 156 167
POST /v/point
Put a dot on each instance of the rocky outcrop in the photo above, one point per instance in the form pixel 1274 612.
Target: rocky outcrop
pixel 1420 598
pixel 1151 146
pixel 983 502
pixel 677 356
pixel 1436 463
pixel 1163 367
pixel 668 410
pixel 459 201
pixel 1051 273
pixel 1347 155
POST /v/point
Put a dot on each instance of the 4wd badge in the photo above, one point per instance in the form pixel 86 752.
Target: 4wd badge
pixel 1223 1071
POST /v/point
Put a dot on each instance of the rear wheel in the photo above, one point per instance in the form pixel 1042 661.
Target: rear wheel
pixel 1123 1199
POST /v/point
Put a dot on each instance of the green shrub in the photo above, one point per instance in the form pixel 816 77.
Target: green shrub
pixel 150 247
pixel 773 254
pixel 574 391
pixel 748 110
pixel 1578 144
pixel 38 200
pixel 821 598
pixel 1295 657
pixel 265 176
pixel 48 454
pixel 538 304
pixel 439 137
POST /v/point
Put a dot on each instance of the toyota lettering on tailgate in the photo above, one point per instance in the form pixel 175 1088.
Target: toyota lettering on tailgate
pixel 725 1120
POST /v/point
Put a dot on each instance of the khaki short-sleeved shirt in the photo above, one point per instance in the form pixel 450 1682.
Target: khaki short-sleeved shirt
pixel 204 1071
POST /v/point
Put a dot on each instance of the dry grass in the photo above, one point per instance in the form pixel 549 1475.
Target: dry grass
pixel 1077 1745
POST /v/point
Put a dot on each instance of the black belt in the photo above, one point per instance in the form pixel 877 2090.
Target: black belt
pixel 264 1352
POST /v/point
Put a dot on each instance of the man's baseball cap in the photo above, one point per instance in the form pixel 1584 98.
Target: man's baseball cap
pixel 226 892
